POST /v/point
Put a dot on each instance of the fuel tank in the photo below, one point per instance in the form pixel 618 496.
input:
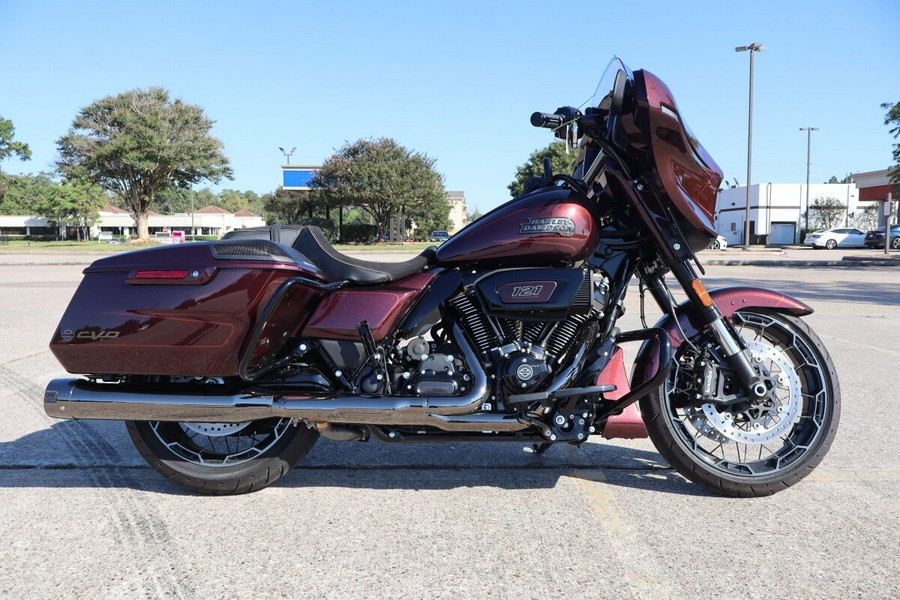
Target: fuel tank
pixel 548 227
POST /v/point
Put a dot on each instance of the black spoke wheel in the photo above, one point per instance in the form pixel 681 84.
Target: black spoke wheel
pixel 222 458
pixel 749 448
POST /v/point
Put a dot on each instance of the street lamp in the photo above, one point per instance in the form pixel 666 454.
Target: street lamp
pixel 287 155
pixel 754 47
pixel 808 131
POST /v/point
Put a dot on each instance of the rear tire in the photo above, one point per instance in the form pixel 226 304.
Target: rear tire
pixel 200 457
pixel 764 447
pixel 831 244
pixel 895 243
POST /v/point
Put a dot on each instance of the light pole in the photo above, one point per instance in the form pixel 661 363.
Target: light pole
pixel 808 131
pixel 287 155
pixel 754 47
pixel 193 227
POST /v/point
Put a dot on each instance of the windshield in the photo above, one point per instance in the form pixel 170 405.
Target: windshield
pixel 603 93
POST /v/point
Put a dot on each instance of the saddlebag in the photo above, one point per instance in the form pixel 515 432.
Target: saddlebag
pixel 187 309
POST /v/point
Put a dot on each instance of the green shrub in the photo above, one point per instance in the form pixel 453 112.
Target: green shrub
pixel 329 228
pixel 359 233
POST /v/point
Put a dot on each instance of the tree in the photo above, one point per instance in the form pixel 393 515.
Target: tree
pixel 827 212
pixel 846 179
pixel 381 177
pixel 84 199
pixel 287 206
pixel 892 117
pixel 61 202
pixel 865 218
pixel 140 143
pixel 25 193
pixel 8 148
pixel 429 216
pixel 534 167
pixel 235 200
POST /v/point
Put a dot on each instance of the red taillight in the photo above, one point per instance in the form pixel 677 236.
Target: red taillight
pixel 161 274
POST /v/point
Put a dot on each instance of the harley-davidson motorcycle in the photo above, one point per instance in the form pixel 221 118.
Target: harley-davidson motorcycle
pixel 228 359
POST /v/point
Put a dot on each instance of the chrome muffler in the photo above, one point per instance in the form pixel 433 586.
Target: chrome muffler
pixel 71 398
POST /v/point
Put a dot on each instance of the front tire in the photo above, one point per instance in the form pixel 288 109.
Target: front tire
pixel 222 458
pixel 749 449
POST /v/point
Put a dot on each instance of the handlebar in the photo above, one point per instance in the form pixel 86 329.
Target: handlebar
pixel 546 120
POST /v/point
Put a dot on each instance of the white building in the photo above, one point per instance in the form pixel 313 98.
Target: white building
pixel 778 211
pixel 876 186
pixel 459 214
pixel 210 220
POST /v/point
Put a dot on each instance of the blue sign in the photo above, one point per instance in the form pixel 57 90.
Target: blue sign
pixel 298 178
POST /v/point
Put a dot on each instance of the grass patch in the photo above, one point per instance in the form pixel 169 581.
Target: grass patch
pixel 404 247
pixel 68 246
pixel 22 246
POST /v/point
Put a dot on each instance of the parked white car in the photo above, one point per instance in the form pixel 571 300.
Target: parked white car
pixel 843 237
pixel 720 243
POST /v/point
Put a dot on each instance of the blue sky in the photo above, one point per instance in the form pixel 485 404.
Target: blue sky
pixel 458 80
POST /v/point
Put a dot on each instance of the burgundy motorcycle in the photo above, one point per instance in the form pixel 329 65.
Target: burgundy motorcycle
pixel 228 359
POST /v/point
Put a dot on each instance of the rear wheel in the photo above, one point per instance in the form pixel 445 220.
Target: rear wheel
pixel 742 447
pixel 831 244
pixel 895 243
pixel 222 458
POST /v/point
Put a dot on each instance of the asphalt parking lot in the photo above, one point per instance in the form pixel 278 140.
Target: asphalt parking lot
pixel 81 515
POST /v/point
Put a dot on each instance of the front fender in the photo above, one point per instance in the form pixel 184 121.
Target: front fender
pixel 729 300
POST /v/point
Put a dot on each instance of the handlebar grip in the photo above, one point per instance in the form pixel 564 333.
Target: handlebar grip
pixel 547 120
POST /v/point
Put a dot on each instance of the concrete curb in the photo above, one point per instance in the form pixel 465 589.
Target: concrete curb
pixel 804 263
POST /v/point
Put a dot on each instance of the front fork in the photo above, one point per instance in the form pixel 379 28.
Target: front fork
pixel 711 318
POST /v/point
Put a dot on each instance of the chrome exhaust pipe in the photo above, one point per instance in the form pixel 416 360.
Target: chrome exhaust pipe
pixel 81 399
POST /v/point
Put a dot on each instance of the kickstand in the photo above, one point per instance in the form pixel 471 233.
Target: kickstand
pixel 540 449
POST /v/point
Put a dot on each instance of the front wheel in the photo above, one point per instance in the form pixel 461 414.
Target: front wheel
pixel 738 447
pixel 895 243
pixel 223 458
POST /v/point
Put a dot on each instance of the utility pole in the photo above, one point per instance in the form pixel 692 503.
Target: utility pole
pixel 809 131
pixel 752 48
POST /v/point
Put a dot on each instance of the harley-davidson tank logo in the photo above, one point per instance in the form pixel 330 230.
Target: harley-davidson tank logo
pixel 561 225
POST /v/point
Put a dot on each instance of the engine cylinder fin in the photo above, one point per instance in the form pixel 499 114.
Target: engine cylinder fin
pixel 564 334
pixel 474 323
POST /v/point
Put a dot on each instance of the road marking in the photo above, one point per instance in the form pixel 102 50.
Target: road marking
pixel 625 542
pixel 868 346
pixel 15 360
pixel 862 475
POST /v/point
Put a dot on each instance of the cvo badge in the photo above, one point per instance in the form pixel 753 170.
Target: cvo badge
pixel 563 226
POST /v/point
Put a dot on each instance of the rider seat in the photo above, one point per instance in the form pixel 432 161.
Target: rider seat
pixel 339 267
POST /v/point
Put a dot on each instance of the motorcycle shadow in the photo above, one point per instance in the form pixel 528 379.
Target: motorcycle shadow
pixel 90 454
pixel 506 466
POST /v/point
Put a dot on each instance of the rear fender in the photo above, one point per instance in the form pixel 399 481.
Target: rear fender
pixel 729 301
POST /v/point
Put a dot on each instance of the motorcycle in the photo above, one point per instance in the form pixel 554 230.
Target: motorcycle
pixel 228 359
